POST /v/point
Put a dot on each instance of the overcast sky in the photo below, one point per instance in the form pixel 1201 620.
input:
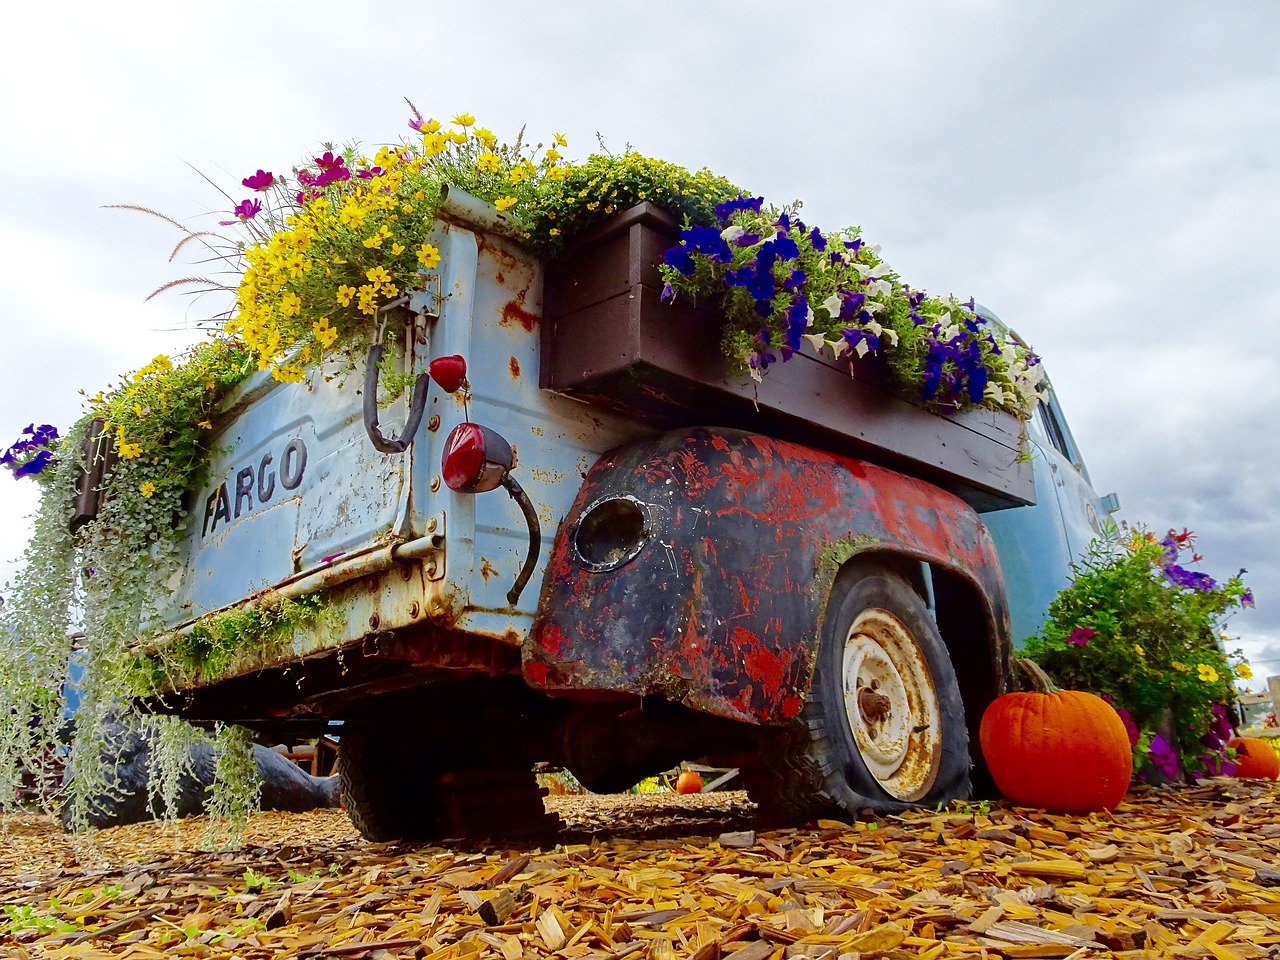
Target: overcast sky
pixel 1105 176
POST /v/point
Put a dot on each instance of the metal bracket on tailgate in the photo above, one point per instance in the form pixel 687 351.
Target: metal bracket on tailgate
pixel 430 548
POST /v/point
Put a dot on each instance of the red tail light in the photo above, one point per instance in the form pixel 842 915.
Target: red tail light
pixel 475 459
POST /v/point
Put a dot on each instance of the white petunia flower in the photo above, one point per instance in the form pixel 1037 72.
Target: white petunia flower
pixel 732 233
pixel 832 305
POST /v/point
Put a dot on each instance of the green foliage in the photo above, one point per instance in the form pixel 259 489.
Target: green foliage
pixel 255 882
pixel 1139 628
pixel 214 641
pixel 236 789
pixel 27 918
pixel 576 197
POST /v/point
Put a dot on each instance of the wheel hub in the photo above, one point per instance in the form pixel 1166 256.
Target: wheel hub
pixel 891 705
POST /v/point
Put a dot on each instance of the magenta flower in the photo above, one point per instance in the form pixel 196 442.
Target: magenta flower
pixel 333 175
pixel 329 161
pixel 370 173
pixel 1130 727
pixel 259 181
pixel 244 210
pixel 1163 757
pixel 1081 636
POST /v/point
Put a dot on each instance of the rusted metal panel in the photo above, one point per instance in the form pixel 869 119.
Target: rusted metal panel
pixel 609 340
pixel 719 608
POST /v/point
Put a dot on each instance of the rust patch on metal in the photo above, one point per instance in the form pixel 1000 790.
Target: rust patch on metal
pixel 487 569
pixel 514 366
pixel 515 313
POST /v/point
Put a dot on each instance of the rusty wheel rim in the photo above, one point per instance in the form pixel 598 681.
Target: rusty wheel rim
pixel 891 705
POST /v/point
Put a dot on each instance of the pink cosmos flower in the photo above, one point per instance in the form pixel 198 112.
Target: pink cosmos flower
pixel 244 210
pixel 260 180
pixel 329 161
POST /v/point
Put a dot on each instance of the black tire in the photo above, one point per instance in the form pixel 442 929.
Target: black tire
pixel 816 767
pixel 386 795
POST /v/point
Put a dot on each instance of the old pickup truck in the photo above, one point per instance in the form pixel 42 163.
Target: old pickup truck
pixel 602 551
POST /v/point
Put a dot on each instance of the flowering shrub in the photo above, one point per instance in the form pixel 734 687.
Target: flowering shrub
pixel 782 283
pixel 1140 629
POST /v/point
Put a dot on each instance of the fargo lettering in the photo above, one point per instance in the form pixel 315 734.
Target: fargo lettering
pixel 255 485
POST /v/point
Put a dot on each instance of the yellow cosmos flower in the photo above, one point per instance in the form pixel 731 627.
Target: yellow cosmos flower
pixel 431 126
pixel 345 293
pixel 325 334
pixel 205 425
pixel 435 143
pixel 1137 648
pixel 429 256
pixel 290 304
pixel 375 242
pixel 289 373
pixel 1244 672
pixel 518 175
pixel 560 140
pixel 130 451
pixel 1206 673
pixel 463 120
pixel 552 155
pixel 377 275
pixel 397 249
pixel 488 162
pixel 147 488
pixel 505 203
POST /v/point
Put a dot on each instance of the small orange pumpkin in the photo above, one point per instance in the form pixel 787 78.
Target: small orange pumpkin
pixel 1255 758
pixel 1063 750
pixel 689 781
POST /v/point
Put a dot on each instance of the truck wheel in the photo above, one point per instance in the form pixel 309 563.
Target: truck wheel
pixel 884 725
pixel 383 790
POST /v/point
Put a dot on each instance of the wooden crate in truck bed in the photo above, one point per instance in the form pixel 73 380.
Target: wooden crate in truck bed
pixel 609 340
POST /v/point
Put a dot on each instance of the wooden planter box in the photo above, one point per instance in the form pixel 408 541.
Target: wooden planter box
pixel 609 340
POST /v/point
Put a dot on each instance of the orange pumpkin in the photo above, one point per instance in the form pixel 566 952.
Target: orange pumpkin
pixel 689 781
pixel 1065 751
pixel 1256 759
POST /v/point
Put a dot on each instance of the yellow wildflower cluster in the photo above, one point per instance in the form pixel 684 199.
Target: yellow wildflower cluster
pixel 360 234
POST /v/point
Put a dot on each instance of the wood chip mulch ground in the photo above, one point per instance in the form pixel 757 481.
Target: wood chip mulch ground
pixel 1188 873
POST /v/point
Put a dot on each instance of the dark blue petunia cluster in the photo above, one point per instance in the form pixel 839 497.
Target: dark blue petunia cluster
pixel 31 453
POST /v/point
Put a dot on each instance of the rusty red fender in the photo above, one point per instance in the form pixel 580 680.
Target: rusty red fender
pixel 710 583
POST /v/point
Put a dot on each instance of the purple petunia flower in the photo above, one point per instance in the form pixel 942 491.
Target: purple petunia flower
pixel 1163 757
pixel 35 465
pixel 1191 579
pixel 259 181
pixel 797 320
pixel 817 240
pixel 678 258
pixel 667 293
pixel 795 281
pixel 728 208
pixel 1081 636
pixel 1246 598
